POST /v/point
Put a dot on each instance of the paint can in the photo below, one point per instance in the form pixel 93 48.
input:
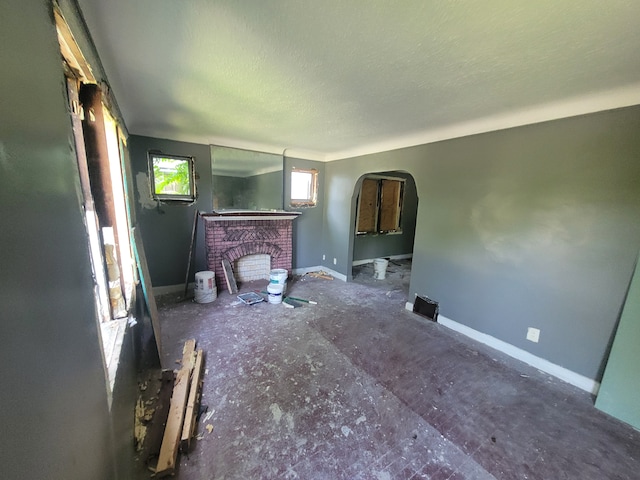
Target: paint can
pixel 380 268
pixel 205 290
pixel 278 276
pixel 275 292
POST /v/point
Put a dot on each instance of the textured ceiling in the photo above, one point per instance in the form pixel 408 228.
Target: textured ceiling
pixel 332 78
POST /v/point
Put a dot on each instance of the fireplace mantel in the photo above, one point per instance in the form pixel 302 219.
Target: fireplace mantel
pixel 238 215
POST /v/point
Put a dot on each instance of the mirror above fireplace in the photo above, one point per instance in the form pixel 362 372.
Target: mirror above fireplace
pixel 246 179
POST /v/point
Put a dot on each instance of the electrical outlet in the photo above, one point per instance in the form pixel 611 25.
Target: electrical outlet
pixel 533 334
pixel 324 257
pixel 335 261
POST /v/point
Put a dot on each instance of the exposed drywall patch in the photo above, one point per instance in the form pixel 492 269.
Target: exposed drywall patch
pixel 144 194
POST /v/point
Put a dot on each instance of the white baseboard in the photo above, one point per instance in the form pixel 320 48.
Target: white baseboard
pixel 573 378
pixel 333 273
pixel 165 289
pixel 337 275
pixel 404 256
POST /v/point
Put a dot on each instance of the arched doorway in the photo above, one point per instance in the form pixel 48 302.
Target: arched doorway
pixel 384 208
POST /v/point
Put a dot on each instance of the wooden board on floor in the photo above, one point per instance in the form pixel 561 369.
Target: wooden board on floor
pixel 320 275
pixel 155 431
pixel 228 275
pixel 173 430
pixel 195 391
pixel 147 288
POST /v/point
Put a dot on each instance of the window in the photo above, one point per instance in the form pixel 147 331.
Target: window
pixel 172 177
pixel 304 187
pixel 380 205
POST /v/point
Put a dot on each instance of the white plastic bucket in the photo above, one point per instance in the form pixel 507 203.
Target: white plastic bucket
pixel 278 276
pixel 275 292
pixel 205 290
pixel 380 268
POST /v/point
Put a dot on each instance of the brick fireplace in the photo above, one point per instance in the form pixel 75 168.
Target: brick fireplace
pixel 233 235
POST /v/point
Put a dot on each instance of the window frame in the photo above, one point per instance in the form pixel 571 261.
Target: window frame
pixel 377 212
pixel 176 198
pixel 312 200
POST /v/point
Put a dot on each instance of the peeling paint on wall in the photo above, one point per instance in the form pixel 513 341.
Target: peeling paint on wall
pixel 144 193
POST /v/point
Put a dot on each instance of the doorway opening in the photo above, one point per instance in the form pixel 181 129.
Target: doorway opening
pixel 384 212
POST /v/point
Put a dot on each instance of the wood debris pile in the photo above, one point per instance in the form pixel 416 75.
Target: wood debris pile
pixel 163 431
pixel 320 274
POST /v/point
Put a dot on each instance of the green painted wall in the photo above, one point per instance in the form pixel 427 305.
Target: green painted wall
pixel 55 417
pixel 534 226
pixel 166 229
pixel 307 228
pixel 619 393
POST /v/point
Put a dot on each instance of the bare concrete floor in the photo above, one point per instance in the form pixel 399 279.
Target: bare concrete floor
pixel 357 387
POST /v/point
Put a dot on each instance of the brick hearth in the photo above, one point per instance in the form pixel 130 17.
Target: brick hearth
pixel 234 235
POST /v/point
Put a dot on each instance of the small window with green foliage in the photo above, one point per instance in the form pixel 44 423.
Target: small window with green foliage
pixel 172 177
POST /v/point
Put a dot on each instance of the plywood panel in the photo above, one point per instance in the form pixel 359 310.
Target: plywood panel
pixel 390 205
pixel 368 206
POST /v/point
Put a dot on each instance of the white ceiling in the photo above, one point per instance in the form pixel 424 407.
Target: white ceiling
pixel 330 79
